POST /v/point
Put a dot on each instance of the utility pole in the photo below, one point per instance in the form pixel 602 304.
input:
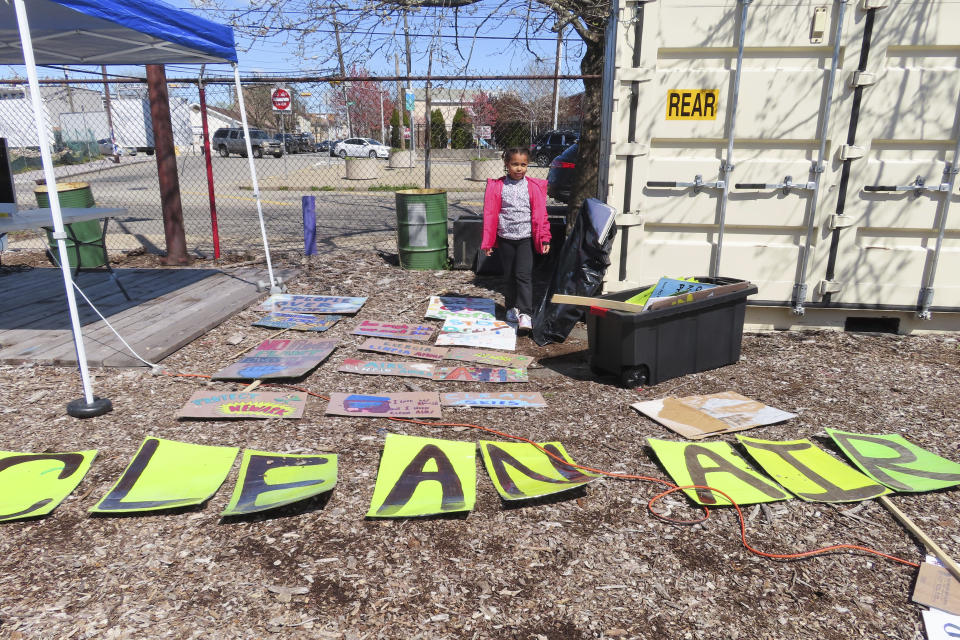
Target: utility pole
pixel 106 106
pixel 413 123
pixel 343 72
pixel 556 79
pixel 400 109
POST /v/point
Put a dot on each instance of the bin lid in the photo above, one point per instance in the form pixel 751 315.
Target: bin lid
pixel 63 186
pixel 421 192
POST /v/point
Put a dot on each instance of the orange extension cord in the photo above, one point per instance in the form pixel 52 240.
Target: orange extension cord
pixel 626 476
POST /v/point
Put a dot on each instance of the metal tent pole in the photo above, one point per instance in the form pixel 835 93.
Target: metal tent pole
pixel 88 406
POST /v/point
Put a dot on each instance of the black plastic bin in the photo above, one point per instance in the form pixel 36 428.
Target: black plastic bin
pixel 468 234
pixel 650 347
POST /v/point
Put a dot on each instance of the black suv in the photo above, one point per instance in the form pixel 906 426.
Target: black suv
pixel 549 145
pixel 230 140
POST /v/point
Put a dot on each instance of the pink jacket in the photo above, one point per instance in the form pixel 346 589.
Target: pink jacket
pixel 540 225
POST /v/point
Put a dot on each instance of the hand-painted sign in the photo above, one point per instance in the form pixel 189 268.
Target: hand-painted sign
pixel 291 303
pixel 416 332
pixel 271 480
pixel 385 368
pixel 456 324
pixel 697 417
pixel 491 358
pixel 717 465
pixel 297 321
pixel 442 307
pixel 239 404
pixel 166 474
pixel 500 339
pixel 277 358
pixel 404 349
pixel 382 405
pixel 493 400
pixel 481 374
pixel 810 473
pixel 894 461
pixel 520 470
pixel 34 484
pixel 423 477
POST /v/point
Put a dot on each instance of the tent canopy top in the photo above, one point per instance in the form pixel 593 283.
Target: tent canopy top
pixel 114 32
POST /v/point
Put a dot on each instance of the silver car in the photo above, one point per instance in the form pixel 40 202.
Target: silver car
pixel 362 148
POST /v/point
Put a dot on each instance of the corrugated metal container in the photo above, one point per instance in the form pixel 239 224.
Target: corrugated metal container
pixel 806 146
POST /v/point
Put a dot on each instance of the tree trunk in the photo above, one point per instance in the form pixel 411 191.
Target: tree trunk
pixel 588 153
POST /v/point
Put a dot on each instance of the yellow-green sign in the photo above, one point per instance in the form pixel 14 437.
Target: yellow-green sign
pixel 894 461
pixel 519 470
pixel 423 477
pixel 810 473
pixel 166 474
pixel 33 484
pixel 269 480
pixel 717 465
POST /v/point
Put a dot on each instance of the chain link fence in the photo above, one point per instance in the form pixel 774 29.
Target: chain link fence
pixel 350 145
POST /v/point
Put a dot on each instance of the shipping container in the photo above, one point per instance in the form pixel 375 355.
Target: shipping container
pixel 806 146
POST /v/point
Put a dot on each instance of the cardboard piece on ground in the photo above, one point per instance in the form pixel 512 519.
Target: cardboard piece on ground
pixel 937 588
pixel 297 321
pixel 34 484
pixel 941 625
pixel 480 374
pixel 491 358
pixel 504 400
pixel 166 474
pixel 521 471
pixel 381 405
pixel 292 303
pixel 424 477
pixel 441 307
pixel 407 349
pixel 270 480
pixel 279 358
pixel 238 404
pixel 455 324
pixel 386 368
pixel 505 339
pixel 415 332
pixel 697 417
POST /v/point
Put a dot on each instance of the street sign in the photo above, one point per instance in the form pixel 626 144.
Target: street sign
pixel 484 131
pixel 281 99
pixel 406 133
pixel 410 99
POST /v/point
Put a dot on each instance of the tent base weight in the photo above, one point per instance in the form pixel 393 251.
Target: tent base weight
pixel 80 408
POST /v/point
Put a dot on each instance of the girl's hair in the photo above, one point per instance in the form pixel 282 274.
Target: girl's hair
pixel 511 151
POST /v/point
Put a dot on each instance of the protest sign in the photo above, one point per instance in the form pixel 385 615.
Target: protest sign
pixel 416 332
pixel 941 625
pixel 894 461
pixel 278 358
pixel 291 303
pixel 297 321
pixel 499 339
pixel 697 417
pixel 520 470
pixel 271 480
pixel 491 358
pixel 238 404
pixel 495 400
pixel 442 307
pixel 455 324
pixel 384 368
pixel 480 374
pixel 382 405
pixel 34 484
pixel 936 588
pixel 425 352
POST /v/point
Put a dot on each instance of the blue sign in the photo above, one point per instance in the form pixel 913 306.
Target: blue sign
pixel 410 99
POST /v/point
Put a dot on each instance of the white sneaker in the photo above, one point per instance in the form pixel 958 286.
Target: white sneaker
pixel 524 322
pixel 512 315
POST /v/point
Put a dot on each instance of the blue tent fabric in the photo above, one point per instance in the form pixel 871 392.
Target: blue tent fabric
pixel 114 32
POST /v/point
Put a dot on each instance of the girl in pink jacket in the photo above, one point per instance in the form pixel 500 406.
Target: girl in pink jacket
pixel 515 222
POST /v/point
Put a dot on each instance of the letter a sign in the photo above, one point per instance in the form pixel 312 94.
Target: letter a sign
pixel 281 99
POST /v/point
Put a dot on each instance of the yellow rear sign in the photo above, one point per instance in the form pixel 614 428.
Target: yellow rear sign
pixel 692 104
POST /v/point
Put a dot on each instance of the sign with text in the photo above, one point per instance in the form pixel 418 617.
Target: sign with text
pixel 385 368
pixel 442 307
pixel 294 303
pixel 505 339
pixel 404 349
pixel 34 484
pixel 278 358
pixel 240 405
pixel 457 324
pixel 415 332
pixel 381 405
pixel 280 98
pixel 520 470
pixel 692 104
pixel 894 461
pixel 480 374
pixel 493 400
pixel 271 480
pixel 297 321
pixel 491 358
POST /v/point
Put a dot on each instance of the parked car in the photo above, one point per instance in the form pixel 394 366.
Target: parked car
pixel 333 146
pixel 107 148
pixel 227 140
pixel 305 142
pixel 324 146
pixel 289 140
pixel 550 144
pixel 560 176
pixel 362 147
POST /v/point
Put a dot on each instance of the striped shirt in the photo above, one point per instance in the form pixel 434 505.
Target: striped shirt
pixel 515 216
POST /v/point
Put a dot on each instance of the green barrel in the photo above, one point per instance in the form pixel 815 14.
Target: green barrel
pixel 72 194
pixel 75 195
pixel 422 228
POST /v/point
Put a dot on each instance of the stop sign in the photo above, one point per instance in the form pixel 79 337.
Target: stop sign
pixel 280 99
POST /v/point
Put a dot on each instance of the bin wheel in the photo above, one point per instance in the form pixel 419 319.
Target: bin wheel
pixel 634 377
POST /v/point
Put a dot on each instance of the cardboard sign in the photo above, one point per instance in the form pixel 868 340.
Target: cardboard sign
pixel 894 461
pixel 521 471
pixel 278 358
pixel 382 405
pixel 480 374
pixel 404 349
pixel 456 324
pixel 714 464
pixel 271 480
pixel 503 400
pixel 424 477
pixel 166 474
pixel 491 358
pixel 291 303
pixel 444 307
pixel 416 332
pixel 941 625
pixel 384 368
pixel 937 588
pixel 297 321
pixel 34 484
pixel 810 473
pixel 500 339
pixel 241 405
pixel 697 417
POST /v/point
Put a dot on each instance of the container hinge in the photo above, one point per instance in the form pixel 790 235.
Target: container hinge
pixel 799 297
pixel 631 219
pixel 839 221
pixel 630 149
pixel 60 235
pixel 851 152
pixel 828 286
pixel 635 74
pixel 924 302
pixel 866 5
pixel 863 79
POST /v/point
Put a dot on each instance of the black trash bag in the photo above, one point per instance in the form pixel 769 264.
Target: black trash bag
pixel 580 268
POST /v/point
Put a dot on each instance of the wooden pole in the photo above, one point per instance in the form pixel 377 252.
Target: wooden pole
pixel 919 533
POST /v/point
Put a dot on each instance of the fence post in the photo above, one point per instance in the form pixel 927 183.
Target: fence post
pixel 309 226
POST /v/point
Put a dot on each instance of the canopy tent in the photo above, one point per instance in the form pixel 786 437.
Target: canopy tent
pixel 129 32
